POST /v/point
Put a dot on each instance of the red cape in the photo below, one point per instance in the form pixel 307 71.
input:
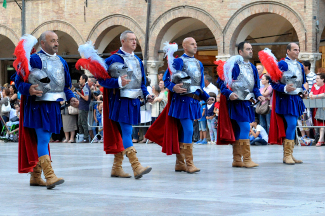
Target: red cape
pixel 225 133
pixel 164 131
pixel 277 131
pixel 27 144
pixel 112 137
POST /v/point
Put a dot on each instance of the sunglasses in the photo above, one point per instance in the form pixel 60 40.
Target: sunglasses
pixel 211 99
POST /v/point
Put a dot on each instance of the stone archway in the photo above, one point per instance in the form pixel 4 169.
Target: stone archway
pixel 9 33
pixel 252 10
pixel 60 26
pixel 177 14
pixel 115 24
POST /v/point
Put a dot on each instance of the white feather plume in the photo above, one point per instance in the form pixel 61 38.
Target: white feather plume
pixel 169 50
pixel 228 67
pixel 29 43
pixel 268 51
pixel 87 50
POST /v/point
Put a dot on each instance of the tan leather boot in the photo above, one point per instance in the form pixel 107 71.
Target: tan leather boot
pixel 35 176
pixel 287 151
pixel 51 179
pixel 237 157
pixel 180 165
pixel 294 159
pixel 246 152
pixel 138 169
pixel 188 152
pixel 117 170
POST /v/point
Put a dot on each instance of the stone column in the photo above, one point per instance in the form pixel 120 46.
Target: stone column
pixel 152 68
pixel 311 57
pixel 223 57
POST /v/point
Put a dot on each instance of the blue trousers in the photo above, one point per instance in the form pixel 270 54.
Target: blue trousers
pixel 43 139
pixel 186 133
pixel 126 134
pixel 291 126
pixel 241 130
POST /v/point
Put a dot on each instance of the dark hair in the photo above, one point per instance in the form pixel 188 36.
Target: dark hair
pixel 321 76
pixel 148 83
pixel 212 94
pixel 241 46
pixel 157 89
pixel 289 47
pixel 256 120
pixel 267 77
pixel 307 64
pixel 209 78
pixel 7 91
pixel 85 77
pixel 161 72
pixel 14 88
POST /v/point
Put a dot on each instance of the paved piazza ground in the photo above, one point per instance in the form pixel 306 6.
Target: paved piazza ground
pixel 219 189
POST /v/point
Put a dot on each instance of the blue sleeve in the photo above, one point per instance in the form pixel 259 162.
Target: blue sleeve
pixel 143 82
pixel 168 84
pixel 223 88
pixel 256 89
pixel 23 87
pixel 178 64
pixel 277 86
pixel 68 93
pixel 111 82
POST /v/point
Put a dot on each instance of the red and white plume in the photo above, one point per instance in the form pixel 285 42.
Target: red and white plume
pixel 169 50
pixel 92 61
pixel 220 70
pixel 22 52
pixel 270 63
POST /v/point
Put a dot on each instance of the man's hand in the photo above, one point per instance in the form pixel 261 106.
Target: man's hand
pixel 124 80
pixel 261 98
pixel 233 96
pixel 178 88
pixel 34 91
pixel 74 102
pixel 290 88
pixel 150 98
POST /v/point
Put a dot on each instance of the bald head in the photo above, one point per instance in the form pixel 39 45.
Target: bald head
pixel 293 51
pixel 49 42
pixel 260 69
pixel 189 46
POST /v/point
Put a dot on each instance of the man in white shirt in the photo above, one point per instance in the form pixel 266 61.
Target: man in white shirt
pixel 260 69
pixel 310 76
pixel 209 87
pixel 258 134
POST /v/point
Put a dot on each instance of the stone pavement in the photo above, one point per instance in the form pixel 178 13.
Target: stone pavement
pixel 219 189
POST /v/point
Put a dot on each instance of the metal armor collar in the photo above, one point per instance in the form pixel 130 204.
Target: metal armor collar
pixel 126 53
pixel 292 61
pixel 184 55
pixel 47 53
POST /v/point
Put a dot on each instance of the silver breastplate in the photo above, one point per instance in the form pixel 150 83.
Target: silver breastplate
pixel 54 69
pixel 190 76
pixel 245 82
pixel 132 69
pixel 293 76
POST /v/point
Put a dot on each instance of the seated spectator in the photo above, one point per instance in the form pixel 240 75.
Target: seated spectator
pixel 318 92
pixel 257 134
pixel 13 95
pixel 5 114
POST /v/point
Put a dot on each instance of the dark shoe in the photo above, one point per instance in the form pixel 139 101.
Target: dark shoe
pixel 84 141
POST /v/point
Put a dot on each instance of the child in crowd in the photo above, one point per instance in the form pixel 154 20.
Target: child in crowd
pixel 203 125
pixel 98 119
pixel 211 118
pixel 257 134
pixel 216 110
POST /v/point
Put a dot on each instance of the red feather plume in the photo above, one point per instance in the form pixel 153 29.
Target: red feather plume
pixel 219 69
pixel 21 63
pixel 270 65
pixel 94 67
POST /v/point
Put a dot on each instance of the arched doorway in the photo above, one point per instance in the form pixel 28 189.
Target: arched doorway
pixel 321 63
pixel 7 48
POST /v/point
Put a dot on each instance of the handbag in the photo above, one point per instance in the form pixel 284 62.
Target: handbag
pixel 263 108
pixel 4 108
pixel 73 111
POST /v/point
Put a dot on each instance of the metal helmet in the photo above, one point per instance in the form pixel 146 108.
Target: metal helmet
pixel 39 77
pixel 118 69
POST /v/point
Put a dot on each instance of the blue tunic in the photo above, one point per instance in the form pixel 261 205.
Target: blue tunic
pixel 285 103
pixel 184 107
pixel 239 110
pixel 121 109
pixel 43 114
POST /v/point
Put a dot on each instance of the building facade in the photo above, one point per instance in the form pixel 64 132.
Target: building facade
pixel 217 27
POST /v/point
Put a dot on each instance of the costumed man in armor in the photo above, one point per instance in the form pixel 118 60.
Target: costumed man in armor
pixel 185 80
pixel 122 97
pixel 239 85
pixel 43 83
pixel 287 102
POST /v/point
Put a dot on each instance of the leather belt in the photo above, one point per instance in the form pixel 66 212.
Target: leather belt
pixel 194 96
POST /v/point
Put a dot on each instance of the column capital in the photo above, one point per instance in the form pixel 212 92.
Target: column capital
pixel 153 66
pixel 223 57
pixel 309 56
